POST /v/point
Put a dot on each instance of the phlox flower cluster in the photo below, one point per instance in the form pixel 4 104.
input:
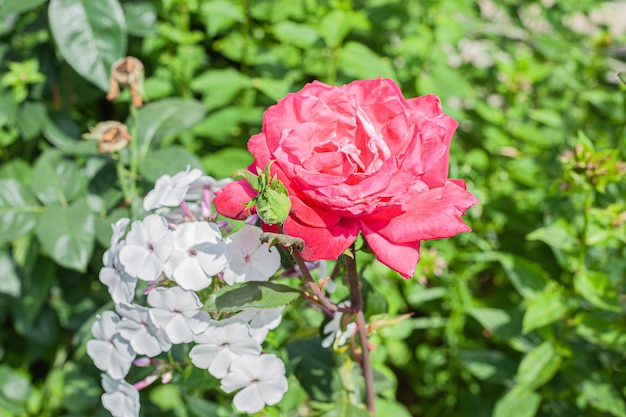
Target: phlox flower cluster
pixel 177 250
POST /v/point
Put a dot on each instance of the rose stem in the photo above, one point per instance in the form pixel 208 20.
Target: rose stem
pixel 356 301
pixel 312 284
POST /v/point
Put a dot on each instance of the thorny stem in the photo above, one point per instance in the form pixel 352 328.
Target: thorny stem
pixel 315 289
pixel 356 301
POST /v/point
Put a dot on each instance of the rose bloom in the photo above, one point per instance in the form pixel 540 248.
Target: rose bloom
pixel 359 158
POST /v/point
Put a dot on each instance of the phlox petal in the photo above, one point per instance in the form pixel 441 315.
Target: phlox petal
pixel 120 398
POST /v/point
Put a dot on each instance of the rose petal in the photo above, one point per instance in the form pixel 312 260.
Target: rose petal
pixel 434 214
pixel 401 257
pixel 323 242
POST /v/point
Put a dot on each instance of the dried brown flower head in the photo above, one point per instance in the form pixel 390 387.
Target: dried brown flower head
pixel 127 71
pixel 112 136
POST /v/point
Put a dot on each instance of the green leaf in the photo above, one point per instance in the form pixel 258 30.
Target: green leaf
pixel 314 367
pixel 359 61
pixel 538 366
pixel 18 210
pixel 602 329
pixel 220 86
pixel 335 26
pixel 10 283
pixel 274 89
pixel 141 17
pixel 31 119
pixel 91 36
pixel 490 318
pixel 219 15
pixel 56 179
pixel 559 235
pixel 527 277
pixel 168 160
pixel 18 6
pixel 14 386
pixel 518 402
pixel 81 392
pixel 168 398
pixel 390 408
pixel 251 295
pixel 344 408
pixel 602 396
pixel 163 118
pixel 67 234
pixel 200 407
pixel 543 309
pixel 223 163
pixel 622 77
pixel 298 34
pixel 62 141
pixel 597 288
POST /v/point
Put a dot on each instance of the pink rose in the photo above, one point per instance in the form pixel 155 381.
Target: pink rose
pixel 359 158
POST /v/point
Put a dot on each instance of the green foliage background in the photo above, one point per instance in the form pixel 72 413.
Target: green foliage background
pixel 522 317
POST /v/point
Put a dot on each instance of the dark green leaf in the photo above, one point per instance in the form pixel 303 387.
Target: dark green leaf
pixel 67 234
pixel 488 364
pixel 18 210
pixel 91 36
pixel 56 179
pixel 166 117
pixel 314 367
pixel 527 277
pixel 168 160
pixel 253 294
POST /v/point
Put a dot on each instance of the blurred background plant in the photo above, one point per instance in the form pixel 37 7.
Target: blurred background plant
pixel 522 317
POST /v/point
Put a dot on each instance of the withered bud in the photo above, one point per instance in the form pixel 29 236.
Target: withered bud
pixel 127 72
pixel 112 136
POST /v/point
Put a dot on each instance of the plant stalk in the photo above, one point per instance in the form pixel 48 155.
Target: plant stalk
pixel 356 300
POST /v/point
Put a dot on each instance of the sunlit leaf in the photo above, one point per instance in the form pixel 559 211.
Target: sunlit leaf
pixel 91 36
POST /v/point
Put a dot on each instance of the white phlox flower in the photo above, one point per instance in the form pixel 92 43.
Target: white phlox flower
pixel 220 344
pixel 138 327
pixel 108 350
pixel 199 254
pixel 176 311
pixel 260 320
pixel 250 260
pixel 120 398
pixel 333 331
pixel 170 191
pixel 120 285
pixel 261 379
pixel 149 244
